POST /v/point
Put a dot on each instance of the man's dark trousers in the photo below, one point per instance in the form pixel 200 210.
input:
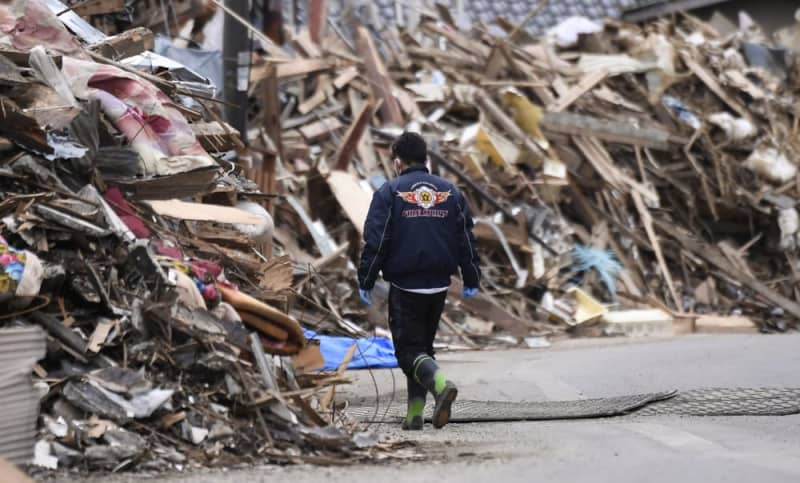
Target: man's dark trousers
pixel 413 320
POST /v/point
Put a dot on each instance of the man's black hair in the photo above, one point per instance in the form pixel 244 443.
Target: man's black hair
pixel 410 148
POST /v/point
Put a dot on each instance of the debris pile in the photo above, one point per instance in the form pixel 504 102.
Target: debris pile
pixel 174 266
pixel 666 150
pixel 168 342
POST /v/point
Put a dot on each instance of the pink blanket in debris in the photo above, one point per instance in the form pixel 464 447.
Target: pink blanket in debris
pixel 145 115
pixel 24 24
pixel 149 119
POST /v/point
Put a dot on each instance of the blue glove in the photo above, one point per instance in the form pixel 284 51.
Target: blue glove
pixel 469 292
pixel 366 296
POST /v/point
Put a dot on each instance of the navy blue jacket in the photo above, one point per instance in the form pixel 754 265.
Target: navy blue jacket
pixel 419 233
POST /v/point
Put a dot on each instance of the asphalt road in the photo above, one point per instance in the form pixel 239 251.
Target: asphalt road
pixel 626 449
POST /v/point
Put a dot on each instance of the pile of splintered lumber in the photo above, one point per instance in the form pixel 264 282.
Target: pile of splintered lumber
pixel 669 146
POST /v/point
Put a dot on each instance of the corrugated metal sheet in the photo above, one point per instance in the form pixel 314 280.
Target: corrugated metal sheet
pixel 20 348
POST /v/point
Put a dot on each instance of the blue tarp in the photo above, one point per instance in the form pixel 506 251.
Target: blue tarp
pixel 374 352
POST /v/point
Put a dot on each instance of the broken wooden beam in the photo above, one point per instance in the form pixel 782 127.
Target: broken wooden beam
pixel 345 77
pixel 380 82
pixel 22 129
pixel 216 137
pixel 320 129
pixel 127 44
pixel 713 85
pixel 647 221
pixel 317 19
pixel 353 199
pixel 290 70
pixel 583 86
pixel 271 105
pixel 469 46
pixel 607 130
pixel 353 136
pixel 712 255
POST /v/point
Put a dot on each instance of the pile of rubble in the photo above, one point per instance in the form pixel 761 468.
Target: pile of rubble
pixel 173 266
pixel 168 342
pixel 639 166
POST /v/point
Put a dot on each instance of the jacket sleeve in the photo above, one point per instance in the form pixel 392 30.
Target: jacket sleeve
pixel 468 258
pixel 377 237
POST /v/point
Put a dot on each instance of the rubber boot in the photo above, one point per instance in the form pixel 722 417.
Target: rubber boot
pixel 416 405
pixel 428 374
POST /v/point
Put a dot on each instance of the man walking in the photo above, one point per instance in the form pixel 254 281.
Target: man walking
pixel 418 233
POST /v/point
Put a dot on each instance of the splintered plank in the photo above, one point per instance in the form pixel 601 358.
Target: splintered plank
pixel 353 136
pixel 304 43
pixel 317 19
pixel 127 44
pixel 216 137
pixel 708 79
pixel 345 77
pixel 379 79
pixel 184 210
pixel 320 129
pixel 597 155
pixel 21 128
pixel 647 221
pixel 458 39
pixel 712 255
pixel 365 146
pixel 323 90
pixel 605 129
pixel 489 309
pixel 291 70
pixel 586 84
pixel 351 197
pixel 301 68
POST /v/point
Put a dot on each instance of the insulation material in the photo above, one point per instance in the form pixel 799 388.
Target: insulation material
pixel 736 128
pixel 789 223
pixel 772 165
pixel 567 32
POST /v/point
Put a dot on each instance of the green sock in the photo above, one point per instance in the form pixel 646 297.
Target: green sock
pixel 439 381
pixel 415 408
